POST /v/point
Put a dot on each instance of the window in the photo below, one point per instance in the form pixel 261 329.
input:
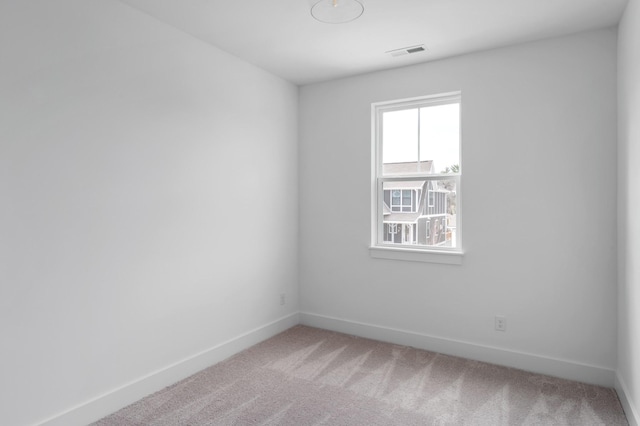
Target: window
pixel 391 230
pixel 416 175
pixel 402 200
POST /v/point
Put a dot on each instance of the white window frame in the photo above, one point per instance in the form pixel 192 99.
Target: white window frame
pixel 379 248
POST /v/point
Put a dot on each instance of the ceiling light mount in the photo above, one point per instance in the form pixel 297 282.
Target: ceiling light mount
pixel 337 11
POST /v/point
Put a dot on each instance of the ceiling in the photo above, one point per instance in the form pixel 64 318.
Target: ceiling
pixel 281 36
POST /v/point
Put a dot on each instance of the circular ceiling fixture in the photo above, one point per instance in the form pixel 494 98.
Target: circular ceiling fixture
pixel 337 11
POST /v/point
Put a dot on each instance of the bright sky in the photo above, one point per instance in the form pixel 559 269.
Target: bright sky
pixel 439 134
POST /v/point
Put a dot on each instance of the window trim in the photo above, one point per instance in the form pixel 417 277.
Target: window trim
pixel 378 248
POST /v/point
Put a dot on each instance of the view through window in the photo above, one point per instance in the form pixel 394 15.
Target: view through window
pixel 417 173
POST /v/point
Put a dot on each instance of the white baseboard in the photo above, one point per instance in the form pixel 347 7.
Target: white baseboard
pixel 103 405
pixel 523 361
pixel 633 416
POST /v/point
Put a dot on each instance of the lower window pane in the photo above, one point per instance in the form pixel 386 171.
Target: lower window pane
pixel 428 220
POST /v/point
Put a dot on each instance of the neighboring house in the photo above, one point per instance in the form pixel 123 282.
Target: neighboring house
pixel 415 212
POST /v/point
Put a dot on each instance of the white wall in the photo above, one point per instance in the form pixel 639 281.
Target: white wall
pixel 629 210
pixel 539 200
pixel 148 194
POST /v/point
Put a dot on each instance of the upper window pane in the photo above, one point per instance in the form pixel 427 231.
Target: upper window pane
pixel 424 140
pixel 440 137
pixel 400 135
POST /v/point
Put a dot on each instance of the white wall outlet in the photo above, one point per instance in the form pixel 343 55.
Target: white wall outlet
pixel 283 299
pixel 501 323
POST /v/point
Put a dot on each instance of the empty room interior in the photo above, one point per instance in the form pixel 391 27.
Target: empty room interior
pixel 182 180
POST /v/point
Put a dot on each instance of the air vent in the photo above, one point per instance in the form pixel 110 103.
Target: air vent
pixel 407 50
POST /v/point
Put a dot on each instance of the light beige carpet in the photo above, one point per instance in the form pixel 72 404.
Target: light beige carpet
pixel 307 376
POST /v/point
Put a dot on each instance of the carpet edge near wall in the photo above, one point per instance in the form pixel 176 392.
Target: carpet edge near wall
pixel 523 361
pixel 98 407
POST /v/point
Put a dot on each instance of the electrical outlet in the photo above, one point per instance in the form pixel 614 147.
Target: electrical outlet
pixel 283 299
pixel 501 323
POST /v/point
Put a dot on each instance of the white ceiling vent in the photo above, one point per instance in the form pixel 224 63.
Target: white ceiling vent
pixel 407 50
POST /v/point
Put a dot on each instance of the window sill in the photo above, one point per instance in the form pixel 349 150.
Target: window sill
pixel 416 255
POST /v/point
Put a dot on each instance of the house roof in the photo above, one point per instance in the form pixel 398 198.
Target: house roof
pixel 401 218
pixel 407 168
pixel 404 185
